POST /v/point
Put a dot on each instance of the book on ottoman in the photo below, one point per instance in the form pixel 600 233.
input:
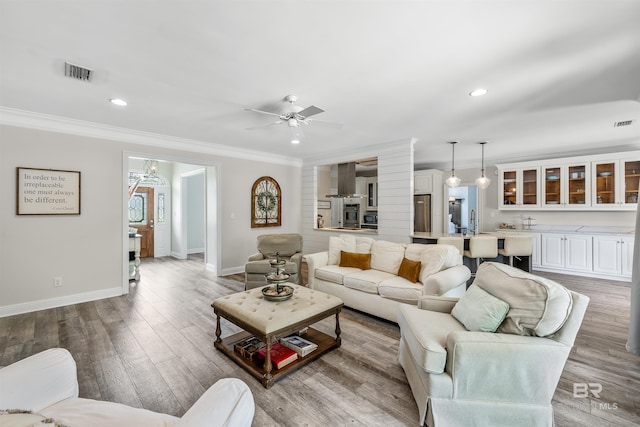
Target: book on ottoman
pixel 281 356
pixel 299 345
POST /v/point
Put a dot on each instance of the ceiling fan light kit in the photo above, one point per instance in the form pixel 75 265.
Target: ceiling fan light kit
pixel 453 180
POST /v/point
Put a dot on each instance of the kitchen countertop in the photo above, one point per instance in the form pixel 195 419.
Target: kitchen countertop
pixel 349 230
pixel 579 229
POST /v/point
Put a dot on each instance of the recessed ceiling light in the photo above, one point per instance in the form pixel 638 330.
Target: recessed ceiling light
pixel 295 141
pixel 478 92
pixel 119 102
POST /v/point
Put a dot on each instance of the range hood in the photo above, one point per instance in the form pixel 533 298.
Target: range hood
pixel 346 181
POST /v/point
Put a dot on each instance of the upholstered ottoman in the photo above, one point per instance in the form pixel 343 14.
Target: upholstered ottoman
pixel 270 321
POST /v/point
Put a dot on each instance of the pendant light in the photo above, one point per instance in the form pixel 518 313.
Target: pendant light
pixel 483 182
pixel 453 180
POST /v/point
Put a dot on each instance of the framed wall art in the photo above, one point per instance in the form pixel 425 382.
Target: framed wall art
pixel 47 192
pixel 266 203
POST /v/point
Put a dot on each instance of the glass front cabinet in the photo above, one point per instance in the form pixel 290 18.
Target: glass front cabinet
pixel 566 186
pixel 615 184
pixel 600 182
pixel 519 188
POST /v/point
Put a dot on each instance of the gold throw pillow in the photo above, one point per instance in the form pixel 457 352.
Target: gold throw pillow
pixel 410 270
pixel 352 259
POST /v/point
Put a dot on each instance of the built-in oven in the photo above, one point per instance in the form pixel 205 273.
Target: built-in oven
pixel 351 215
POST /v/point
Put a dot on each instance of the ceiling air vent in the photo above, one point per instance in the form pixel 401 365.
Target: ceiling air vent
pixel 77 72
pixel 624 123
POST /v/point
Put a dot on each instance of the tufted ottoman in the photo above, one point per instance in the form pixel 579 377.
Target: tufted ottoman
pixel 270 321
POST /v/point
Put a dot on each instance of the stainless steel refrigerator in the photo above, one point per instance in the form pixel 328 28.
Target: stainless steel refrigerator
pixel 422 213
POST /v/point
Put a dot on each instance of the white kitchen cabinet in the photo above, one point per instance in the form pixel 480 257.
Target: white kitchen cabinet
pixel 615 183
pixel 613 255
pixel 519 188
pixel 602 182
pixel 566 186
pixel 566 251
pixel 627 255
pixel 372 193
pixel 422 182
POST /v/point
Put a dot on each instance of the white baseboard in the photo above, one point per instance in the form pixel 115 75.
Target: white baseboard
pixel 232 270
pixel 29 307
pixel 195 251
pixel 177 255
pixel 211 267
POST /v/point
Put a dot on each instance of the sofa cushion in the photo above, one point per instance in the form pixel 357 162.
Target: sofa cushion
pixel 386 256
pixel 425 333
pixel 363 244
pixel 480 311
pixel 400 289
pixel 366 280
pixel 352 259
pixel 334 273
pixel 537 306
pixel 409 270
pixel 344 242
pixel 432 260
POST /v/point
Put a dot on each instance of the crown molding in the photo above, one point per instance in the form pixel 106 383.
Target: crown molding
pixel 46 122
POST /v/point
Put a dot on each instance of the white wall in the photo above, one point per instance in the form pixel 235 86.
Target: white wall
pixel 195 213
pixel 87 250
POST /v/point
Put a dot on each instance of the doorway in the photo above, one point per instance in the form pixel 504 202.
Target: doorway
pixel 141 217
pixel 169 201
pixel 463 209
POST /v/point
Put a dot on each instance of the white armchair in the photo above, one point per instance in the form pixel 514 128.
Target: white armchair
pixel 460 376
pixel 46 383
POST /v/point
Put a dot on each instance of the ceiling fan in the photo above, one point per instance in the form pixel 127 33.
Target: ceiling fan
pixel 292 115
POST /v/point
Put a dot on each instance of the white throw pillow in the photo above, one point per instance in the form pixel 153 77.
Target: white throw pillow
pixel 344 242
pixel 386 256
pixel 478 310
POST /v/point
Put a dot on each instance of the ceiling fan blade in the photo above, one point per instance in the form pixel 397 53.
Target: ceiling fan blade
pixel 262 112
pixel 327 124
pixel 265 126
pixel 310 111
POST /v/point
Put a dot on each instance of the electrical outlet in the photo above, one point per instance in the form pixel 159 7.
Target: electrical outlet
pixel 57 282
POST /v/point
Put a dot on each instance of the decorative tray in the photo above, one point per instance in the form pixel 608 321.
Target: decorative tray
pixel 277 293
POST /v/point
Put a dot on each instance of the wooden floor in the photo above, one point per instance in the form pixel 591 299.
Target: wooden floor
pixel 154 349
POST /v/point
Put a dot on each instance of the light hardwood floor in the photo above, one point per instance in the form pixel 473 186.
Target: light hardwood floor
pixel 154 349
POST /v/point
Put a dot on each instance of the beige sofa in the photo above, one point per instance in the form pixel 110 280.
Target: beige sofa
pixel 379 290
pixel 493 357
pixel 47 384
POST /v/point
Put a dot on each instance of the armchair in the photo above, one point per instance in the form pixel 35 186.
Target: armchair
pixel 288 246
pixel 47 384
pixel 476 378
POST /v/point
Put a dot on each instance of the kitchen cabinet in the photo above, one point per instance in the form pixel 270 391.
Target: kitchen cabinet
pixel 566 186
pixel 519 188
pixel 602 182
pixel 566 251
pixel 536 254
pixel 615 184
pixel 372 193
pixel 613 255
pixel 422 182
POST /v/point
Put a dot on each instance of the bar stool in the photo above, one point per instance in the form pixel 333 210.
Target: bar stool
pixel 516 246
pixel 482 246
pixel 458 242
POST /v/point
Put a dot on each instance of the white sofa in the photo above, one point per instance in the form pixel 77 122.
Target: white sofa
pixel 493 357
pixel 379 290
pixel 46 384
